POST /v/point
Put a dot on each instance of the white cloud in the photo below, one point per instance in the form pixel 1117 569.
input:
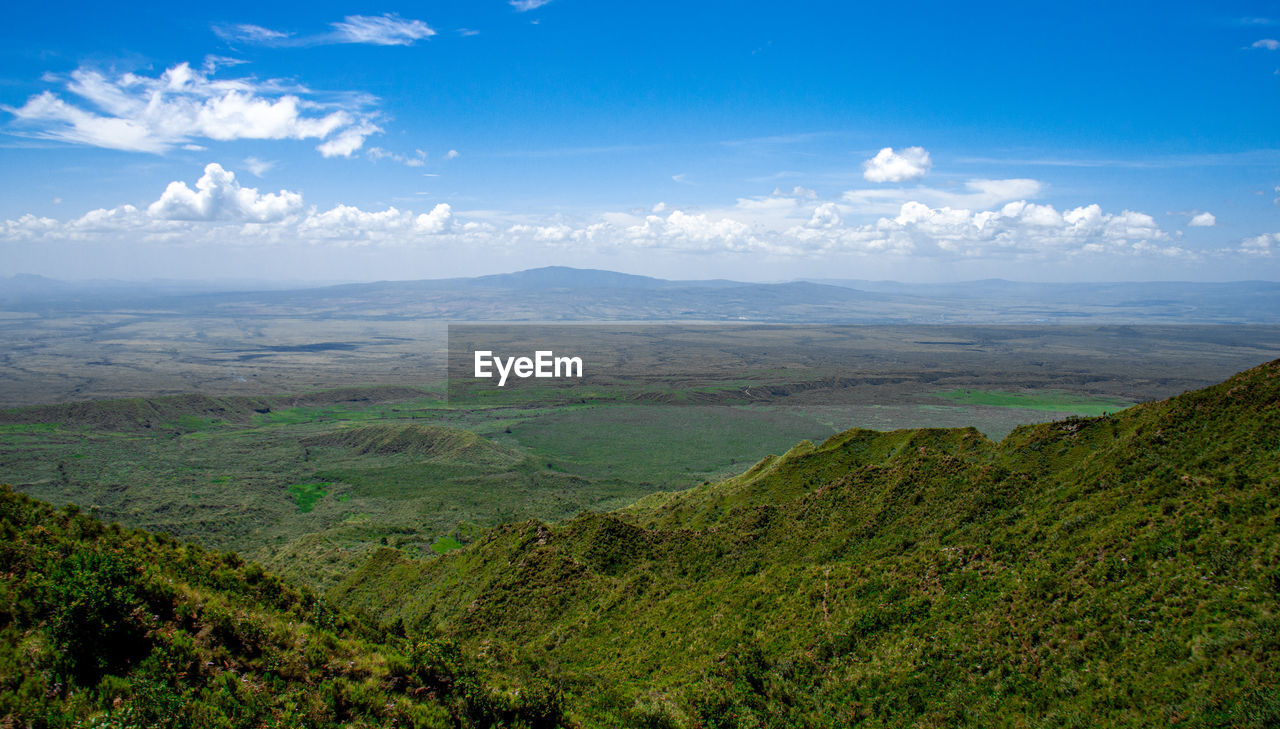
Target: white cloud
pixel 437 221
pixel 248 33
pixel 797 191
pixel 693 232
pixel 384 30
pixel 348 141
pixel 978 193
pixel 219 197
pixel 825 216
pixel 388 29
pixel 1016 230
pixel 1270 44
pixel 1260 245
pixel 145 114
pixel 522 6
pixel 219 210
pixel 1203 220
pixel 258 167
pixel 911 163
pixel 452 154
pixel 417 159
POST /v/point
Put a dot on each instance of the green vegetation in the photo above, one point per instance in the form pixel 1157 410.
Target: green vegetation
pixel 1115 571
pixel 663 445
pixel 445 544
pixel 310 490
pixel 1048 400
pixel 1121 570
pixel 305 495
pixel 108 627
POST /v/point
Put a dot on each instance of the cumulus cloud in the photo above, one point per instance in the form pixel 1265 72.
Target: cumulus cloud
pixel 1019 229
pixel 911 163
pixel 1261 245
pixel 1203 220
pixel 182 105
pixel 825 216
pixel 1270 44
pixel 452 154
pixel 220 210
pixel 349 224
pixel 219 197
pixel 217 209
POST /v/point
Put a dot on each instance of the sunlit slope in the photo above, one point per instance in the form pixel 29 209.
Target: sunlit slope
pixel 106 627
pixel 1121 570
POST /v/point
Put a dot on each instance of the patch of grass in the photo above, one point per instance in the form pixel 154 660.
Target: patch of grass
pixel 668 445
pixel 30 427
pixel 194 424
pixel 306 495
pixel 445 544
pixel 1056 401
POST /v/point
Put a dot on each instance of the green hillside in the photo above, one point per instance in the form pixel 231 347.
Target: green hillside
pixel 106 627
pixel 1115 571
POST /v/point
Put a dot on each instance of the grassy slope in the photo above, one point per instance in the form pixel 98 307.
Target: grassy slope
pixel 1121 570
pixel 106 627
pixel 1046 400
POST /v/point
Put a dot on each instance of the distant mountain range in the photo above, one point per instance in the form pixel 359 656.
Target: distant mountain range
pixel 567 294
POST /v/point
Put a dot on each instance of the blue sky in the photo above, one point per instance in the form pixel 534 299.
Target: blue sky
pixel 763 141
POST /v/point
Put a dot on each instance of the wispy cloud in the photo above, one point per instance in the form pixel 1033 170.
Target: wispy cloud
pixel 249 33
pixel 183 107
pixel 1261 157
pixel 574 151
pixel 776 139
pixel 380 30
pixel 1269 44
pixel 385 30
pixel 523 6
pixel 417 159
pixel 257 166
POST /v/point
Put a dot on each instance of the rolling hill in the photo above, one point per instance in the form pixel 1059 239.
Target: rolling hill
pixel 1113 571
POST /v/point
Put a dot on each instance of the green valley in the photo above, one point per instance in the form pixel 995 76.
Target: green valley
pixel 1120 570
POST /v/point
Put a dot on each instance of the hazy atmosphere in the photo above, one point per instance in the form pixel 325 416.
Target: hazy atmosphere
pixel 340 142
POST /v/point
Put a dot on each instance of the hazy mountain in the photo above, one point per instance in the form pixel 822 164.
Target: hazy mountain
pixel 561 294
